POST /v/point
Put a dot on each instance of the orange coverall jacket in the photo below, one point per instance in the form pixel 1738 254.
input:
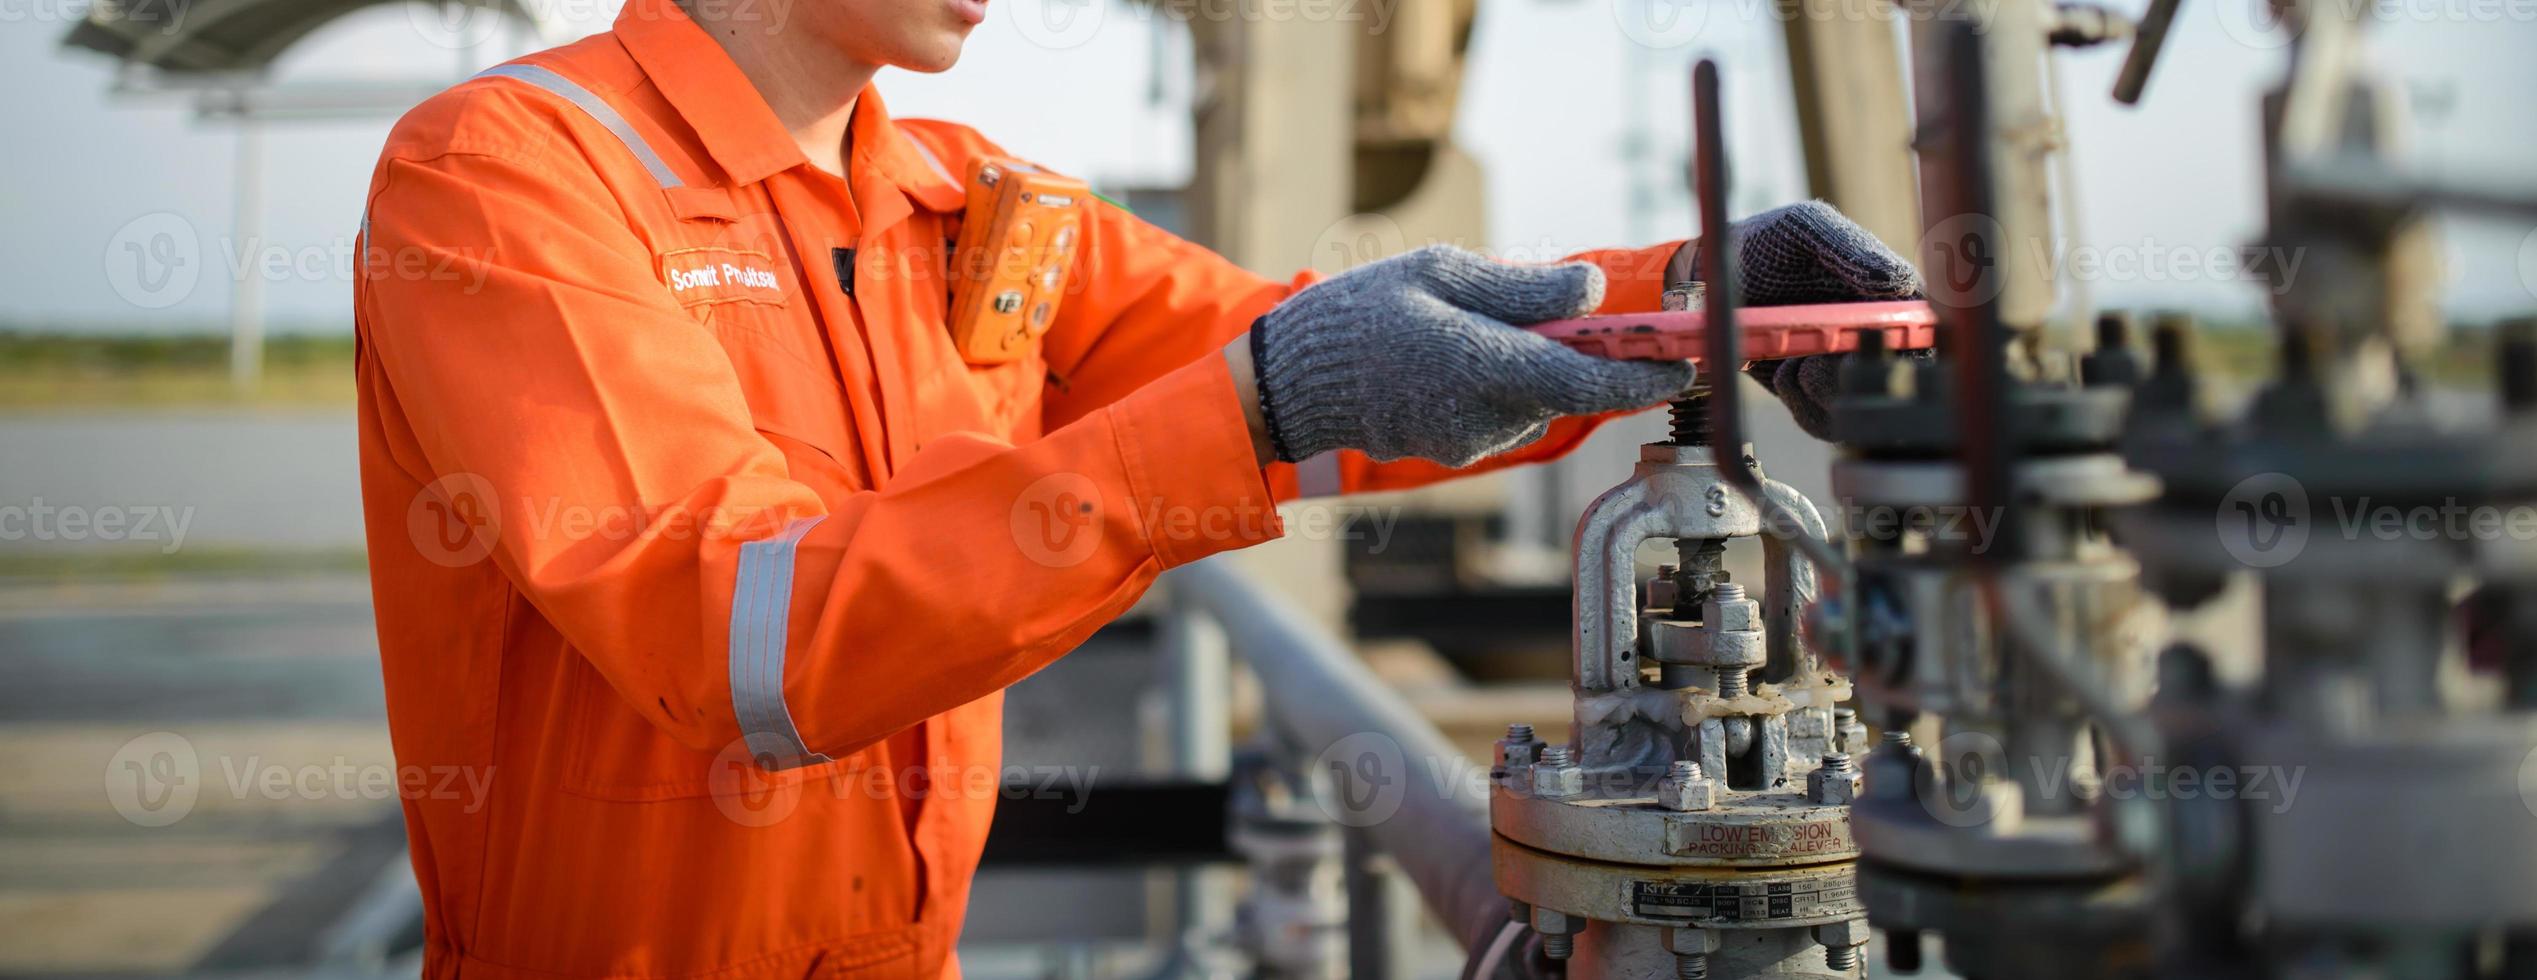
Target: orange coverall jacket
pixel 713 569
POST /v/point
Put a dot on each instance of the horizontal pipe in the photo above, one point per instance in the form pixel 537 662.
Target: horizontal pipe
pixel 1418 799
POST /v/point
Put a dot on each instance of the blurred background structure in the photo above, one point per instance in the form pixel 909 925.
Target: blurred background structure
pixel 180 556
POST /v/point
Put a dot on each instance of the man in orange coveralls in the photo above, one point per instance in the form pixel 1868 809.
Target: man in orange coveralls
pixel 679 492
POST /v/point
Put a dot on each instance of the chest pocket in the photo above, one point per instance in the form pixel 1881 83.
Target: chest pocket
pixel 999 400
pixel 731 266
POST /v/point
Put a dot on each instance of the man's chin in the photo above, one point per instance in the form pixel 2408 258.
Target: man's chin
pixel 937 54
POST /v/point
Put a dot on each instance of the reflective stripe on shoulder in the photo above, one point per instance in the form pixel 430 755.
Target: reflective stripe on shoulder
pixel 930 159
pixel 761 611
pixel 598 109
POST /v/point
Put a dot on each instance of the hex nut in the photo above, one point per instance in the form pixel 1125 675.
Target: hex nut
pixel 1690 941
pixel 1847 932
pixel 1675 641
pixel 1737 648
pixel 1514 755
pixel 1734 615
pixel 1830 788
pixel 1558 782
pixel 1552 922
pixel 1685 795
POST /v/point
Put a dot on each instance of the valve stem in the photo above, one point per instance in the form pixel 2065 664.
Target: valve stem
pixel 1690 420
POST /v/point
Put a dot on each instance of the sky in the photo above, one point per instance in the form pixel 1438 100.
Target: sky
pixel 1575 109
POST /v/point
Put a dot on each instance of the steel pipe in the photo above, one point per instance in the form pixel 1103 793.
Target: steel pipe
pixel 1407 789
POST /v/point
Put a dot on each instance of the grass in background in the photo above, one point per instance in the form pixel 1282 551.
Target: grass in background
pixel 43 371
pixel 147 564
pixel 2241 354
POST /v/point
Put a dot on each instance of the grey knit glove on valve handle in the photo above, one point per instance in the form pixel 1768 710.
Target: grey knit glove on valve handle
pixel 1807 253
pixel 1417 355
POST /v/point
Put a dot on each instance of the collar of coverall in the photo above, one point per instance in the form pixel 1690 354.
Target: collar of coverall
pixel 743 135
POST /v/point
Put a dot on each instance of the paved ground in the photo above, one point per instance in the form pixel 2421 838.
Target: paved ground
pixel 234 478
pixel 177 763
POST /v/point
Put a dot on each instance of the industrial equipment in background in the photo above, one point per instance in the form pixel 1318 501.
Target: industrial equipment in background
pixel 2024 517
pixel 2410 716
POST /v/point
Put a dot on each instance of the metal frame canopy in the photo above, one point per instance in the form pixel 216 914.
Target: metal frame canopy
pixel 226 37
pixel 220 54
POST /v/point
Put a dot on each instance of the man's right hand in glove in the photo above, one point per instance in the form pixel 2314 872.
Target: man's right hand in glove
pixel 1421 355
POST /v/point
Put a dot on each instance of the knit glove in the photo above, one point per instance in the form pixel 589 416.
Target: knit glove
pixel 1415 355
pixel 1808 253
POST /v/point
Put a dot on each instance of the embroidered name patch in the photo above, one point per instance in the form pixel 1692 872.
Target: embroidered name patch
pixel 714 274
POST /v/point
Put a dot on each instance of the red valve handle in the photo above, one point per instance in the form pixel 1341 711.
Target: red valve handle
pixel 1770 332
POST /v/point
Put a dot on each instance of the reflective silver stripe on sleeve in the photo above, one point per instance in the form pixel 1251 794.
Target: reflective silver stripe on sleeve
pixel 761 608
pixel 1318 476
pixel 930 159
pixel 598 108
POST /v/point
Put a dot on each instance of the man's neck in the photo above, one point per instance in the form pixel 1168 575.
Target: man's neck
pixel 809 85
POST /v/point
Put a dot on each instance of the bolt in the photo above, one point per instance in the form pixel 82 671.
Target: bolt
pixel 1558 931
pixel 1556 776
pixel 1731 679
pixel 1515 751
pixel 1685 788
pixel 1691 948
pixel 1729 592
pixel 1898 739
pixel 1848 734
pixel 1841 942
pixel 1837 781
